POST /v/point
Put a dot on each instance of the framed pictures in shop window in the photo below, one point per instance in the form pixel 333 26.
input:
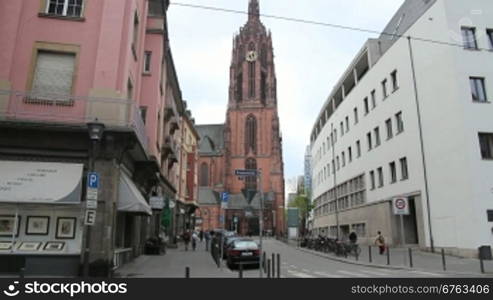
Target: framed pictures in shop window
pixel 8 225
pixel 65 228
pixel 6 246
pixel 29 246
pixel 54 246
pixel 37 225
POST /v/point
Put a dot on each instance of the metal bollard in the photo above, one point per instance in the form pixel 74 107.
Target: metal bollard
pixel 410 257
pixel 273 261
pixel 388 256
pixel 264 262
pixel 268 268
pixel 481 264
pixel 240 273
pixel 187 272
pixel 369 254
pixel 278 265
pixel 444 263
pixel 22 272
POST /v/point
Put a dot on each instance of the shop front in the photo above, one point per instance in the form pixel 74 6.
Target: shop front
pixel 41 222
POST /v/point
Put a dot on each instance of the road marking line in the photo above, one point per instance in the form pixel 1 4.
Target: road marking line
pixel 375 273
pixel 328 275
pixel 426 273
pixel 293 266
pixel 351 274
pixel 300 274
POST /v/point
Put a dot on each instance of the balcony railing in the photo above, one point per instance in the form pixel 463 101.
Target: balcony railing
pixel 64 109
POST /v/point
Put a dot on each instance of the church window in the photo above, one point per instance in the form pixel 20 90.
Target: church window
pixel 239 87
pixel 251 73
pixel 251 181
pixel 204 174
pixel 263 87
pixel 251 135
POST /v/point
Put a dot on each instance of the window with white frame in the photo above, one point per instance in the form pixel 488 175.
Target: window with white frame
pixel 478 89
pixel 400 122
pixel 356 119
pixel 393 172
pixel 384 89
pixel 66 8
pixel 53 75
pixel 368 138
pixel 377 136
pixel 380 177
pixel 147 61
pixel 486 145
pixel 343 155
pixel 390 132
pixel 359 229
pixel 404 170
pixel 367 107
pixel 469 38
pixel 395 82
pixel 350 154
pixel 358 148
pixel 342 129
pixel 372 180
pixel 489 33
pixel 347 124
pixel 373 99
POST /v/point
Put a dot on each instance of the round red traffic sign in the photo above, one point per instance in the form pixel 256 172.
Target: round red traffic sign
pixel 400 203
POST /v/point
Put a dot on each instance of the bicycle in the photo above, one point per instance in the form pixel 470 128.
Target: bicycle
pixel 353 249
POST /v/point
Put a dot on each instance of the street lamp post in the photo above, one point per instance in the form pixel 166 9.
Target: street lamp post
pixel 96 131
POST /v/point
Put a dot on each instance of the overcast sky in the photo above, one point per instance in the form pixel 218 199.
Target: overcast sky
pixel 309 59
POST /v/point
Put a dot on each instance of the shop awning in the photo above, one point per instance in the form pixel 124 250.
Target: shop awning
pixel 129 197
pixel 40 182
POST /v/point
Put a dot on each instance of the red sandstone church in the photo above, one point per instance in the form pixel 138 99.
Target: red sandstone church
pixel 250 139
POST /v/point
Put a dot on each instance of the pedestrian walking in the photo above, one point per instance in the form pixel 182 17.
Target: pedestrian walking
pixel 186 239
pixel 195 239
pixel 380 242
pixel 353 237
pixel 201 235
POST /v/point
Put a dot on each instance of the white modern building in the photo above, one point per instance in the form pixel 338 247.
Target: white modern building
pixel 412 117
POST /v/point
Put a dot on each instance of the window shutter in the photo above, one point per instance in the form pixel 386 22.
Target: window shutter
pixel 53 75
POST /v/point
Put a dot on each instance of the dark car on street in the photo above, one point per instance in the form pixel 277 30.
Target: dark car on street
pixel 228 240
pixel 243 251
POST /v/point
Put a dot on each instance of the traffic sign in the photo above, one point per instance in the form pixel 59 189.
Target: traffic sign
pixel 92 194
pixel 239 172
pixel 93 180
pixel 91 204
pixel 400 206
pixel 224 199
pixel 90 218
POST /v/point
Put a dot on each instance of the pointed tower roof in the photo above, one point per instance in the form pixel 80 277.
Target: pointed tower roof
pixel 253 10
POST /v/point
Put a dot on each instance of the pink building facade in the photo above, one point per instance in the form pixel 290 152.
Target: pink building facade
pixel 63 66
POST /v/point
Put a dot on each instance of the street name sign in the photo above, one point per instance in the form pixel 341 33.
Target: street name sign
pixel 400 206
pixel 244 173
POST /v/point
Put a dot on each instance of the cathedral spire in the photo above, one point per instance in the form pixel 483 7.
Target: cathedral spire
pixel 253 10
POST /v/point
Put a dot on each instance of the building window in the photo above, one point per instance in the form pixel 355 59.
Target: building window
pixel 393 173
pixel 147 61
pixel 478 89
pixel 486 145
pixel 395 83
pixel 334 138
pixel 343 159
pixel 135 36
pixel 373 99
pixel 251 181
pixel 239 87
pixel 489 32
pixel 66 8
pixel 490 215
pixel 347 124
pixel 469 38
pixel 367 107
pixel 333 167
pixel 390 133
pixel 380 177
pixel 204 174
pixel 400 122
pixel 328 170
pixel 263 87
pixel 404 170
pixel 356 118
pixel 251 135
pixel 143 113
pixel 342 129
pixel 372 180
pixel 384 89
pixel 368 137
pixel 377 136
pixel 338 163
pixel 251 74
pixel 130 90
pixel 358 148
pixel 53 75
pixel 350 154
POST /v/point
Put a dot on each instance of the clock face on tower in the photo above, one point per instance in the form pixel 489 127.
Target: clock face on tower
pixel 251 56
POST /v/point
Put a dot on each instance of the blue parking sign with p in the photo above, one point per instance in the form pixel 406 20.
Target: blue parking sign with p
pixel 93 180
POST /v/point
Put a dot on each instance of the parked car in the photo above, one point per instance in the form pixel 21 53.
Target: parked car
pixel 228 240
pixel 243 251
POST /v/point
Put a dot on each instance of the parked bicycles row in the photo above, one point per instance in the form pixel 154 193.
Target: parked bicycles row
pixel 331 245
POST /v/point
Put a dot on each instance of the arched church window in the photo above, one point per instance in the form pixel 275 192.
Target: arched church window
pixel 263 87
pixel 251 73
pixel 251 135
pixel 239 87
pixel 251 181
pixel 204 174
pixel 263 55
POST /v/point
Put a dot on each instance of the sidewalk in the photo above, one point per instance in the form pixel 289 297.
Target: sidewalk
pixel 173 264
pixel 399 259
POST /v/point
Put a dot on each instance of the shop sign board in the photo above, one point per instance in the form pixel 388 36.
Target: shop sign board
pixel 156 203
pixel 90 217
